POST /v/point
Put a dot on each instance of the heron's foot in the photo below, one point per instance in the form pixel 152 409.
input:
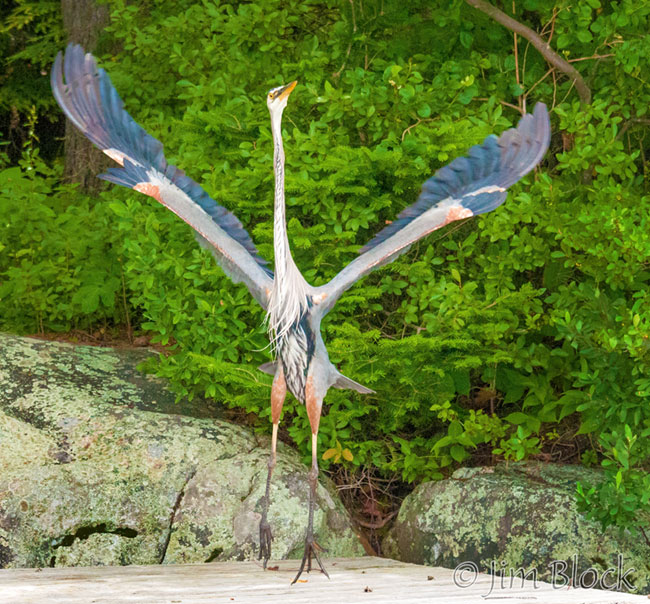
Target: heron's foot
pixel 311 549
pixel 265 542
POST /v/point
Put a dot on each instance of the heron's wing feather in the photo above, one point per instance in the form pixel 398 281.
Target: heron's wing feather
pixel 92 104
pixel 469 185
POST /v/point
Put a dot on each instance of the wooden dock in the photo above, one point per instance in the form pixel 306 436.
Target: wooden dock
pixel 363 580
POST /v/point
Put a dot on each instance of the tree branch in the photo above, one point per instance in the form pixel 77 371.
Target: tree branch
pixel 539 43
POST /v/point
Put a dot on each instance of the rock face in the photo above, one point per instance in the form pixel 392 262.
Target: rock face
pixel 521 516
pixel 99 466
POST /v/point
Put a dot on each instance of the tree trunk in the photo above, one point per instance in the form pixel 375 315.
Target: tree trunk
pixel 84 21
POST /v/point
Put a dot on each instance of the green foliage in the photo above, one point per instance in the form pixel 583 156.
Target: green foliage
pixel 31 32
pixel 496 337
pixel 623 499
pixel 51 277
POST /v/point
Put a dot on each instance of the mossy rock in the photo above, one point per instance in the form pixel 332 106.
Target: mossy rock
pixel 98 465
pixel 522 515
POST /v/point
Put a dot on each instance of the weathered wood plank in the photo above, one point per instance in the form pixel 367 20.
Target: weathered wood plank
pixel 245 582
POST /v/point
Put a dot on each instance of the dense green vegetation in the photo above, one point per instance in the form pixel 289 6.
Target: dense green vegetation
pixel 520 334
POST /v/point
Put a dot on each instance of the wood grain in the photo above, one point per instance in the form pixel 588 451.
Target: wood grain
pixel 362 580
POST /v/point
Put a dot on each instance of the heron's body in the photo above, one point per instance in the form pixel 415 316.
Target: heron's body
pixel 470 185
pixel 294 310
pixel 296 353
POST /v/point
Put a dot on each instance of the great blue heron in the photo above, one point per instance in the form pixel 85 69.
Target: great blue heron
pixel 468 186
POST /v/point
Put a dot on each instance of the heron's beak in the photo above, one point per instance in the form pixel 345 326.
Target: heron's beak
pixel 286 91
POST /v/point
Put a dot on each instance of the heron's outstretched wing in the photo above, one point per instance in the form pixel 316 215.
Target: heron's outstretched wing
pixel 470 185
pixel 92 104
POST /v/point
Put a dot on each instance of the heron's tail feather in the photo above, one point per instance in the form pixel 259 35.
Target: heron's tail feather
pixel 269 367
pixel 345 383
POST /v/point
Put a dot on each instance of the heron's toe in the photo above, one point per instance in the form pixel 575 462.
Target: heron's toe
pixel 266 537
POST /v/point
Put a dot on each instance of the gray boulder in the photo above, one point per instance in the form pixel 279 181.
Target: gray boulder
pixel 521 515
pixel 98 465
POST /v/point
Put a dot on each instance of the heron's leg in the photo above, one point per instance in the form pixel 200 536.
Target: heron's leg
pixel 278 394
pixel 312 547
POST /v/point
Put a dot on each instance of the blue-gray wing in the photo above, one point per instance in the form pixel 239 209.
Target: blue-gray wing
pixel 469 185
pixel 92 104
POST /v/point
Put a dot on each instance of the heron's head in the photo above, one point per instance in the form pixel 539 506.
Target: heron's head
pixel 276 99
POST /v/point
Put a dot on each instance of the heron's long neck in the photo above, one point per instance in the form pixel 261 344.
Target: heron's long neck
pixel 283 259
pixel 288 300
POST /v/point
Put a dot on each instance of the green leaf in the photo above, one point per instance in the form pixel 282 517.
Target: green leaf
pixel 458 453
pixel 455 429
pixel 588 426
pixel 466 39
pixel 517 418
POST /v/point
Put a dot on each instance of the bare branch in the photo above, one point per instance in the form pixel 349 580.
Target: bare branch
pixel 591 57
pixel 630 123
pixel 539 43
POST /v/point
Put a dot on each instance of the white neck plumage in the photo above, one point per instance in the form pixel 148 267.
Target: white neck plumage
pixel 288 299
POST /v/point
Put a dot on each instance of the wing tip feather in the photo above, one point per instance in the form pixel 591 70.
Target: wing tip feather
pixel 483 167
pixel 98 112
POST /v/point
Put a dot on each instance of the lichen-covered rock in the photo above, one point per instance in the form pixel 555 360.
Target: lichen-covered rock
pixel 98 465
pixel 523 515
